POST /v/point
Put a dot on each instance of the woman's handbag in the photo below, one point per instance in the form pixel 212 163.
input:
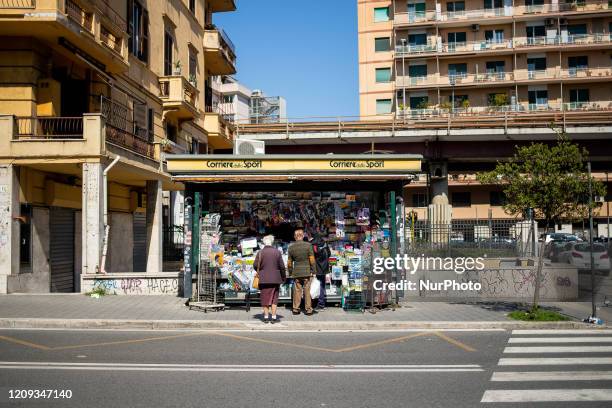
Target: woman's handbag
pixel 256 278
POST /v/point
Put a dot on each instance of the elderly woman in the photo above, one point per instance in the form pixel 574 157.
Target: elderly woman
pixel 271 271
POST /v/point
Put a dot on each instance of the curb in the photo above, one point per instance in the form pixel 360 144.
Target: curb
pixel 109 324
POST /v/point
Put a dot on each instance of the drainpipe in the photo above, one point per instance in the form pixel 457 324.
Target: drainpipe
pixel 106 225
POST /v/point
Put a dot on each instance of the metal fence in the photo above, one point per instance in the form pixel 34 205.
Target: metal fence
pixel 472 238
pixel 49 128
pixel 174 243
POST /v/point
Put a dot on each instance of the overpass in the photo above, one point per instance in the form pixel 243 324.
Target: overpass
pixel 466 142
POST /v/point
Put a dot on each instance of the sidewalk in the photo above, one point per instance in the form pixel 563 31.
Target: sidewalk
pixel 76 310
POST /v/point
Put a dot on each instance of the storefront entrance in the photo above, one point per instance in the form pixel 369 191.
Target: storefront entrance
pixel 352 204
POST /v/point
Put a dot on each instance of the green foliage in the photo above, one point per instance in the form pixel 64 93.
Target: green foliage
pixel 550 179
pixel 99 291
pixel 537 314
pixel 465 103
pixel 500 99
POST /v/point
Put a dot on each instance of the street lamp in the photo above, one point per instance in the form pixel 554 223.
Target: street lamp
pixel 403 41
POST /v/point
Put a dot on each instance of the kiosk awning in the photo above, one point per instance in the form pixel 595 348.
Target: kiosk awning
pixel 236 168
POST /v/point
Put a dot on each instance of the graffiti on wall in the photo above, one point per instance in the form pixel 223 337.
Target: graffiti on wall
pixel 138 286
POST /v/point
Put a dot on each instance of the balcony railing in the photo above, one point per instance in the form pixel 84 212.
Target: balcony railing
pixel 130 141
pixel 49 128
pixel 17 4
pixel 412 49
pixel 110 40
pixel 80 16
pixel 414 17
pixel 176 89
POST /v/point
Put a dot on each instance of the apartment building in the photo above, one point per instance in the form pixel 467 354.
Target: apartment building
pixel 467 56
pixel 92 94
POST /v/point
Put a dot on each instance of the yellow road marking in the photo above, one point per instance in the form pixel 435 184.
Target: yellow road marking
pixel 234 336
pixel 111 343
pixel 380 343
pixel 24 343
pixel 245 338
pixel 452 341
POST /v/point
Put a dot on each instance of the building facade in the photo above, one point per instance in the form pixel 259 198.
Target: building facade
pixel 423 56
pixel 93 94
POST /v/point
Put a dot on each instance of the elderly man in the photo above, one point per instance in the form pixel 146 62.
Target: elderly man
pixel 301 266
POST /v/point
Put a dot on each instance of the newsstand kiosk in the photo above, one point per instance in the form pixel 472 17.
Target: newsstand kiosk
pixel 352 201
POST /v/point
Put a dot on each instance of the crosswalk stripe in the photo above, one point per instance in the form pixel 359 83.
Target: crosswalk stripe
pixel 549 395
pixel 591 339
pixel 559 349
pixel 551 376
pixel 555 361
pixel 563 331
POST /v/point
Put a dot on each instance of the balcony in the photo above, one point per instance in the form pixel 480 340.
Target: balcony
pixel 221 5
pixel 179 97
pixel 417 49
pixel 404 18
pixel 475 46
pixel 219 129
pixel 220 53
pixel 416 81
pixel 92 30
pixel 73 138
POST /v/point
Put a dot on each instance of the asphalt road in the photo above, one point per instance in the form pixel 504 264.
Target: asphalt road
pixel 307 369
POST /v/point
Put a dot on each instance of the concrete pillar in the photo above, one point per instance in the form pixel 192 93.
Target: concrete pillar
pixel 92 218
pixel 154 227
pixel 9 224
pixel 439 212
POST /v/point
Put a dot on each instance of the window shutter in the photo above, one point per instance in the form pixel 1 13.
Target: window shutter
pixel 145 36
pixel 130 18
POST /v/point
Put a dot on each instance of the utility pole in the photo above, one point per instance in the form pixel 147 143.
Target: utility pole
pixel 594 311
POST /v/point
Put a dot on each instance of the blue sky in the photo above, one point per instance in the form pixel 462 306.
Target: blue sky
pixel 305 51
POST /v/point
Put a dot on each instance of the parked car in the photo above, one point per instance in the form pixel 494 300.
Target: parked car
pixel 579 255
pixel 558 236
pixel 553 249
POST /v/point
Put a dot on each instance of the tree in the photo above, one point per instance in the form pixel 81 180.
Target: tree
pixel 550 180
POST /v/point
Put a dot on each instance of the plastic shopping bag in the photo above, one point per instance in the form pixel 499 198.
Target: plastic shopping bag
pixel 315 287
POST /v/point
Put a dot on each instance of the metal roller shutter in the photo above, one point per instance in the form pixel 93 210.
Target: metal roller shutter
pixel 140 242
pixel 61 248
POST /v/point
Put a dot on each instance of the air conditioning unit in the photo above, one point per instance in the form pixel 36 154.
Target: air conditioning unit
pixel 249 147
pixel 549 22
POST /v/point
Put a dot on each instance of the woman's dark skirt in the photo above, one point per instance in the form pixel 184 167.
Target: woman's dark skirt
pixel 268 293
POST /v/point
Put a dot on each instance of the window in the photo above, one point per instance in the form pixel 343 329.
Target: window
pixel 493 4
pixel 138 30
pixel 579 96
pixel 171 132
pixel 455 6
pixel 577 29
pixel 228 98
pixel 534 2
pixel 536 31
pixel 383 75
pixel 416 11
pixel 497 198
pixel 381 14
pixel 494 36
pixel 150 124
pixel 193 66
pixel 168 48
pixel 461 199
pixel 459 37
pixel 419 200
pixel 538 97
pixel 382 44
pixel 417 39
pixel 417 71
pixel 459 100
pixel 457 70
pixel 579 62
pixel 25 237
pixel 383 106
pixel 419 102
pixel 192 5
pixel 536 64
pixel 495 67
